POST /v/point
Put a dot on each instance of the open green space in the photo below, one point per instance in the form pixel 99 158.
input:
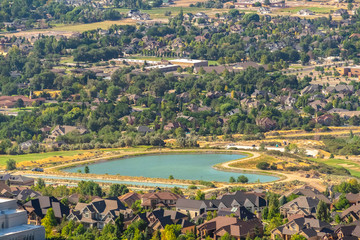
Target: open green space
pixel 160 12
pixel 352 166
pixel 322 10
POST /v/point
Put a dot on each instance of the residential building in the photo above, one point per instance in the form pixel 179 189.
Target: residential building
pixel 250 201
pixel 305 12
pixel 37 209
pixel 235 227
pixel 63 130
pixel 349 231
pixel 130 198
pixel 99 212
pixel 14 225
pixel 340 12
pixel 353 213
pixel 17 180
pixel 11 101
pixel 264 10
pixel 144 129
pixel 154 200
pixel 310 192
pixel 349 71
pixel 300 206
pixel 309 227
pixel 159 218
pixel 192 207
pixel 353 198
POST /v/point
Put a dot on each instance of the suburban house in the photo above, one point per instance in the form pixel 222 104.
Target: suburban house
pixel 37 208
pixel 130 198
pixel 62 130
pixel 144 129
pixel 352 212
pixel 305 12
pixel 353 198
pixel 11 101
pixel 251 201
pixel 99 212
pixel 17 180
pixel 240 212
pixel 235 227
pixel 159 218
pixel 154 200
pixel 192 207
pixel 300 206
pixel 340 12
pixel 350 231
pixel 198 208
pixel 309 227
pixel 310 192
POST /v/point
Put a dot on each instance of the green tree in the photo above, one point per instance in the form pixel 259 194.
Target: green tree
pixel 232 180
pixel 10 164
pixel 19 103
pixel 322 212
pixel 242 179
pixel 297 237
pixel 117 190
pixel 49 222
pixel 87 170
pixel 40 184
pixel 200 195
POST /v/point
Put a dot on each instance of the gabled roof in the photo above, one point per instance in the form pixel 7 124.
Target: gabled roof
pixel 41 204
pixel 302 202
pixel 242 197
pixel 189 204
pixel 102 205
pixel 354 208
pixel 240 212
pixel 161 196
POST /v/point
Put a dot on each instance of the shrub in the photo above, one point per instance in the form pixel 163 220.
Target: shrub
pixel 242 179
pixel 263 165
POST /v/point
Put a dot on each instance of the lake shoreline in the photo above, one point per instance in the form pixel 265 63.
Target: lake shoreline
pixel 244 155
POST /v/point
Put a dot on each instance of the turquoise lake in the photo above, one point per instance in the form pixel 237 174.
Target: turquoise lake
pixel 181 166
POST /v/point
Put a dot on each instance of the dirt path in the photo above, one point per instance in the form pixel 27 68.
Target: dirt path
pixel 285 177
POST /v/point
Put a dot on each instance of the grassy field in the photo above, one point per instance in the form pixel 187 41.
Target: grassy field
pixel 92 26
pixel 321 10
pixel 159 13
pixel 352 166
pixel 37 156
pixel 48 155
pixel 251 163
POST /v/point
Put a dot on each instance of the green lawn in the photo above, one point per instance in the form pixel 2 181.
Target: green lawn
pixel 352 166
